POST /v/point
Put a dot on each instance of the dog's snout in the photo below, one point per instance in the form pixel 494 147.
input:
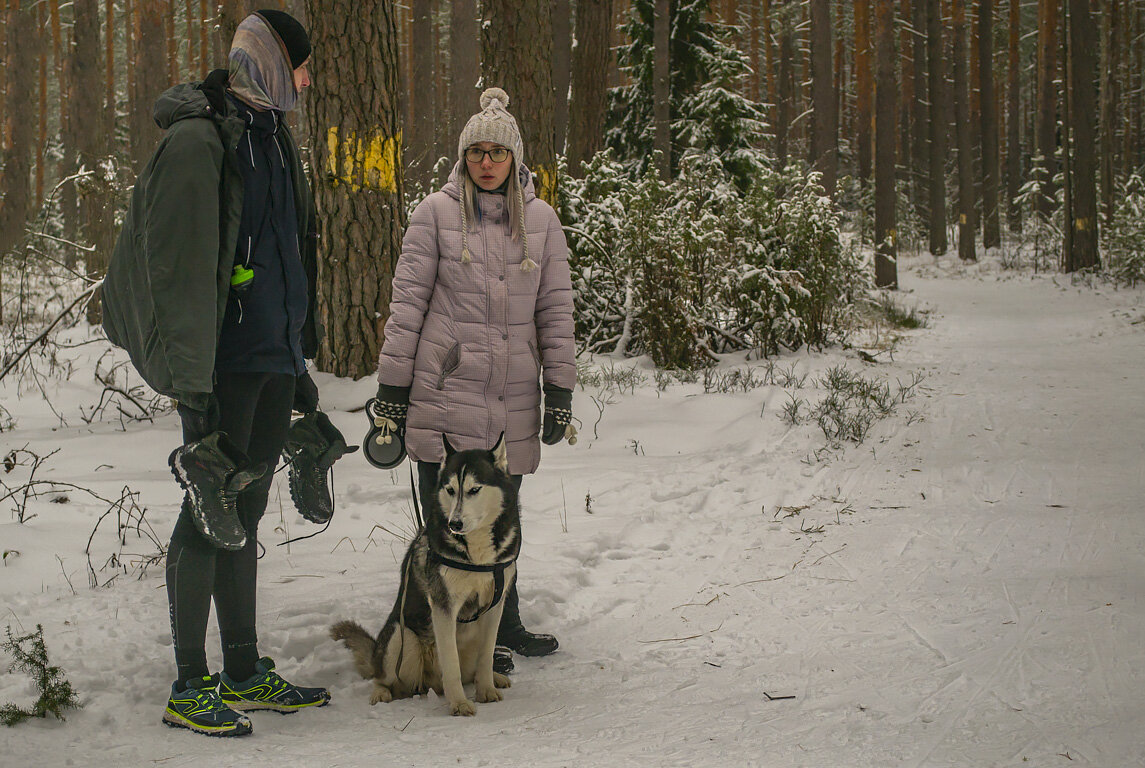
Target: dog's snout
pixel 455 526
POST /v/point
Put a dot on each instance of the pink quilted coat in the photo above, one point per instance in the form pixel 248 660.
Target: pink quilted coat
pixel 473 340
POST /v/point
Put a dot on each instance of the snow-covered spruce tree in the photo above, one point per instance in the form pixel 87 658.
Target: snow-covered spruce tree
pixel 1123 236
pixel 707 111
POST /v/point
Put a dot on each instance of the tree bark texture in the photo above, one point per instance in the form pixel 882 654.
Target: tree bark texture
pixel 517 43
pixel 465 69
pixel 824 121
pixel 785 87
pixel 518 48
pixel 919 128
pixel 562 69
pixel 1083 46
pixel 938 128
pixel 662 87
pixel 1110 98
pixel 354 114
pixel 886 129
pixel 591 58
pixel 988 119
pixel 150 79
pixel 962 130
pixel 23 54
pixel 1047 108
pixel 420 144
pixel 864 86
pixel 1014 120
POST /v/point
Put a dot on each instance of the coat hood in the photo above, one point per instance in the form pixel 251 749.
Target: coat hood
pixel 180 103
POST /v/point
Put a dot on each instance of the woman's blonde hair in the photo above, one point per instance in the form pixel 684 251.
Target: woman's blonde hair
pixel 516 210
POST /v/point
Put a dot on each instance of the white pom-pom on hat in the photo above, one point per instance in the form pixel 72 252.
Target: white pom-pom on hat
pixel 491 95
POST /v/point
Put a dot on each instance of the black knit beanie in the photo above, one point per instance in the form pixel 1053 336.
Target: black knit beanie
pixel 292 34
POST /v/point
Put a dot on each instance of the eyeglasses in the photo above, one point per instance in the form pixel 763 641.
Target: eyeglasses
pixel 477 154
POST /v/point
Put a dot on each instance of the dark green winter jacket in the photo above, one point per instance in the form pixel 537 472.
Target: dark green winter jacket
pixel 166 288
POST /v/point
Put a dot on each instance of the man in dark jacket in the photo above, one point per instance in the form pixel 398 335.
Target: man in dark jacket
pixel 211 292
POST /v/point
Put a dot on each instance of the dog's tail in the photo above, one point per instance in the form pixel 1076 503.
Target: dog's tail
pixel 360 643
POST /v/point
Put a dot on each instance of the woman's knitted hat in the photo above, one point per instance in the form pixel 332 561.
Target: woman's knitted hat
pixel 493 123
pixel 292 34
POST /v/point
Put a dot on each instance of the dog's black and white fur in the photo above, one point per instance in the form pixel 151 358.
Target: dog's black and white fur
pixel 443 627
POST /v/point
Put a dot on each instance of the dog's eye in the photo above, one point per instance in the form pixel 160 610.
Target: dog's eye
pixel 474 490
pixel 450 491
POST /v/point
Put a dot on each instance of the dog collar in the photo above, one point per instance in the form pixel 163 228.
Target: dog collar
pixel 497 569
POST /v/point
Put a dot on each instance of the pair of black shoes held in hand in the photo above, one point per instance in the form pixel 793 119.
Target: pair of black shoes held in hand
pixel 214 471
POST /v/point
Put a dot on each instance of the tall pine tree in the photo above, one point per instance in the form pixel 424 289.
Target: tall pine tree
pixel 707 110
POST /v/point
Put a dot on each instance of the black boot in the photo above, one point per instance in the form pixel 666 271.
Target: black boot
pixel 502 660
pixel 213 472
pixel 513 634
pixel 311 448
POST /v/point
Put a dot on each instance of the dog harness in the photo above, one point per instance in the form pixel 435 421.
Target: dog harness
pixel 497 569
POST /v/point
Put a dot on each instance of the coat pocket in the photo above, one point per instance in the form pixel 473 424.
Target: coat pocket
pixel 449 364
pixel 536 356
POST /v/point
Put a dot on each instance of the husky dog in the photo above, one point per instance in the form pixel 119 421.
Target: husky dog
pixel 443 627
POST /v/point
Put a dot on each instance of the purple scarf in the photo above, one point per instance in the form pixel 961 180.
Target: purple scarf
pixel 260 71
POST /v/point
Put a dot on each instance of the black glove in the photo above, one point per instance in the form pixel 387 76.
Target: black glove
pixel 198 424
pixel 214 87
pixel 305 394
pixel 391 403
pixel 558 414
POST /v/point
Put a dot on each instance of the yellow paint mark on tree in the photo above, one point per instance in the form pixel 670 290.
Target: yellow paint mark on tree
pixel 1081 224
pixel 548 178
pixel 364 161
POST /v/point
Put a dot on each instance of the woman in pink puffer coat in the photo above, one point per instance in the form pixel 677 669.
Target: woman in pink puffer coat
pixel 481 313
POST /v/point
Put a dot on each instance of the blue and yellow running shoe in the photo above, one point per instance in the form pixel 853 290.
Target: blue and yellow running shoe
pixel 200 709
pixel 266 690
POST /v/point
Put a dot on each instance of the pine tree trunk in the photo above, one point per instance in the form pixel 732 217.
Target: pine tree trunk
pixel 886 128
pixel 988 116
pixel 938 127
pixel 1083 46
pixel 1014 121
pixel 919 129
pixel 824 122
pixel 356 159
pixel 204 53
pixel 464 65
pixel 863 85
pixel 662 90
pixel 589 76
pixel 562 69
pixel 1047 102
pixel 150 78
pixel 420 142
pixel 1110 93
pixel 84 74
pixel 42 135
pixel 109 75
pixel 517 42
pixel 785 93
pixel 962 131
pixel 23 54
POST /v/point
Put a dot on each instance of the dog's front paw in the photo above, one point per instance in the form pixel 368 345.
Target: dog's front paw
pixel 486 695
pixel 463 707
pixel 501 681
pixel 381 693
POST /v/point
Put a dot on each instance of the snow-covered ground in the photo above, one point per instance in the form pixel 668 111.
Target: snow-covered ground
pixel 965 588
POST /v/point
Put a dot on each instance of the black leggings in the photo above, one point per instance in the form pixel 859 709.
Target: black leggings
pixel 254 411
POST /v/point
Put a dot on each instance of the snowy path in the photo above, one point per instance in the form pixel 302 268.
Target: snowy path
pixel 973 597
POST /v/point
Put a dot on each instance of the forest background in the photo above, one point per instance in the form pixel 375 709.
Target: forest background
pixel 753 147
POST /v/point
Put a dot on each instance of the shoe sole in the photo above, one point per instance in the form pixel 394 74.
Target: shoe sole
pixel 255 706
pixel 175 720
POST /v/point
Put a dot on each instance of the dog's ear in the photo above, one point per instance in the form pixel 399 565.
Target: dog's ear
pixel 449 449
pixel 501 455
